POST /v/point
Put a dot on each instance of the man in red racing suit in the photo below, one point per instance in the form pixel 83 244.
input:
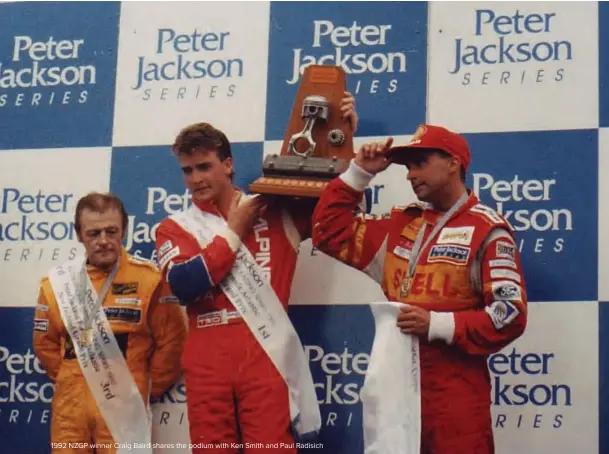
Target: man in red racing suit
pixel 234 392
pixel 222 359
pixel 466 298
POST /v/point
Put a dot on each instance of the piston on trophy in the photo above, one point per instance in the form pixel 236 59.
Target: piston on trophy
pixel 318 143
pixel 314 108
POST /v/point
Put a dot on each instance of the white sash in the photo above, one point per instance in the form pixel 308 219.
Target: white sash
pixel 252 295
pixel 103 365
pixel 391 396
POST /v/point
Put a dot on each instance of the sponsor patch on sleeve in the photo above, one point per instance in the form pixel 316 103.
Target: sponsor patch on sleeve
pixel 506 290
pixel 503 263
pixel 168 256
pixel 169 299
pixel 488 213
pixel 456 235
pixel 506 250
pixel 41 325
pixel 166 246
pixel 505 274
pixel 457 255
pixel 502 313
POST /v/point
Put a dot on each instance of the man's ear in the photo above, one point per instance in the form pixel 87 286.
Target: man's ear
pixel 228 165
pixel 455 165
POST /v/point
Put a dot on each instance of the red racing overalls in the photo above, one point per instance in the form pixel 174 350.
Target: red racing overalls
pixel 469 277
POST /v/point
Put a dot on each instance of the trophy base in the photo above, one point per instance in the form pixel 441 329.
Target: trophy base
pixel 289 187
pixel 297 176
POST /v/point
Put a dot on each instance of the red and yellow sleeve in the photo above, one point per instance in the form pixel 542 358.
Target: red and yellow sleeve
pixel 357 239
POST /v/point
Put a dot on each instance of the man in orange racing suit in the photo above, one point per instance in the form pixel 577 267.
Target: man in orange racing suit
pixel 146 320
pixel 234 392
pixel 455 264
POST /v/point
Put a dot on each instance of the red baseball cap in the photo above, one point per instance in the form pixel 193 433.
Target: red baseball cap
pixel 428 137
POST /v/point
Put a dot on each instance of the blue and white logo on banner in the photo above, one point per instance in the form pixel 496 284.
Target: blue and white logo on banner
pixel 57 72
pixel 25 390
pixel 381 47
pixel 552 209
pixel 338 350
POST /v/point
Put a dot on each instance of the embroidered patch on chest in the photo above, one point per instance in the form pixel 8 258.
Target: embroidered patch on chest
pixel 457 255
pixel 128 288
pixel 128 301
pixel 402 252
pixel 456 235
pixel 123 314
pixel 404 248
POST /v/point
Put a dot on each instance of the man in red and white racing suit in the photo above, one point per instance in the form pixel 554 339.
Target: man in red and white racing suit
pixel 223 362
pixel 465 290
pixel 235 393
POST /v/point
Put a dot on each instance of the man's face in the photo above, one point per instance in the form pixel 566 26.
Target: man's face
pixel 205 175
pixel 101 235
pixel 429 174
